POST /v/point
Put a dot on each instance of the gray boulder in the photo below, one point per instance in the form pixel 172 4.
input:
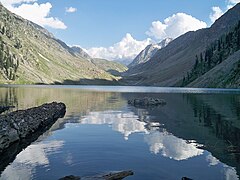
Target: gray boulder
pixel 21 124
pixel 109 176
pixel 146 102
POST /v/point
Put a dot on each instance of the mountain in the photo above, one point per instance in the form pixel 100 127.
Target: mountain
pixel 146 54
pixel 224 75
pixel 29 54
pixel 112 67
pixel 171 64
pixel 80 52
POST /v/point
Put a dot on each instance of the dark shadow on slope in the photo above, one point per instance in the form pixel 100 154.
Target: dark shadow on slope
pixel 88 82
pixel 114 72
pixel 64 45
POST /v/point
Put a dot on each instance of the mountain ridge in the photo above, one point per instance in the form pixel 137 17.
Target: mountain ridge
pixel 147 53
pixel 170 64
pixel 32 55
pixel 29 54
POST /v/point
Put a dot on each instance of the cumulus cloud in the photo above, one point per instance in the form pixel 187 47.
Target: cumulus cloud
pixel 234 1
pixel 37 13
pixel 9 3
pixel 126 49
pixel 217 12
pixel 71 10
pixel 174 26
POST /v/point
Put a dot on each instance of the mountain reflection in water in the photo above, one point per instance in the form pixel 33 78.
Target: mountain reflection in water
pixel 190 136
pixel 158 139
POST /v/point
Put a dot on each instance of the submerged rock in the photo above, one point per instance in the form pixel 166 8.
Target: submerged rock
pixel 146 101
pixel 71 177
pixel 186 178
pixel 109 176
pixel 21 124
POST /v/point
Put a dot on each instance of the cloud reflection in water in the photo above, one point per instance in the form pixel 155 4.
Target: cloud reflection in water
pixel 125 123
pixel 26 162
pixel 159 142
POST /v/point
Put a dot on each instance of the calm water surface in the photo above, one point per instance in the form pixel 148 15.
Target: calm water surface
pixel 196 134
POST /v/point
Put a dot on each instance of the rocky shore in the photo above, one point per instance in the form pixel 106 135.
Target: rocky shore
pixel 19 125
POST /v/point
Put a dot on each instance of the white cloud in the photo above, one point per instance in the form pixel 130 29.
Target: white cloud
pixel 126 49
pixel 217 13
pixel 37 13
pixel 9 3
pixel 174 26
pixel 234 1
pixel 71 10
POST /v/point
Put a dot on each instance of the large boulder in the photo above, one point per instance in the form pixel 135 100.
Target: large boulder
pixel 146 102
pixel 21 124
pixel 109 176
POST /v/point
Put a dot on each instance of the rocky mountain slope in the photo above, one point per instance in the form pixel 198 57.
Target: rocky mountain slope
pixel 80 52
pixel 112 67
pixel 146 54
pixel 219 64
pixel 171 64
pixel 224 75
pixel 30 54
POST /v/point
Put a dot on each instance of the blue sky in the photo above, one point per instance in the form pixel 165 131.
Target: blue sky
pixel 119 29
pixel 105 22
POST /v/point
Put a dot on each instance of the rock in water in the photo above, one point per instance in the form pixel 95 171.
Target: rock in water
pixel 71 177
pixel 21 124
pixel 118 175
pixel 146 102
pixel 186 178
pixel 109 176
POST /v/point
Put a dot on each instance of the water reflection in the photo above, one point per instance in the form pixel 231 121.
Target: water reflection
pixel 190 128
pixel 25 164
pixel 123 122
pixel 159 140
pixel 162 142
pixel 170 146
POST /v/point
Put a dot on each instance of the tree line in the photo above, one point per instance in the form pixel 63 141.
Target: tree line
pixel 214 54
pixel 9 62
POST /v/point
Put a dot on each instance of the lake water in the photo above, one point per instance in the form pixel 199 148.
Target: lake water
pixel 196 134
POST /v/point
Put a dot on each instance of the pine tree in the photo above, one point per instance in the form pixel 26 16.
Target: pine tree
pixel 215 54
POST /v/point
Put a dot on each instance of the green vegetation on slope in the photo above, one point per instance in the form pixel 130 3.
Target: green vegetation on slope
pixel 215 54
pixel 8 62
pixel 30 54
pixel 111 67
pixel 233 78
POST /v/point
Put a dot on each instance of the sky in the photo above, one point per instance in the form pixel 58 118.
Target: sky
pixel 119 29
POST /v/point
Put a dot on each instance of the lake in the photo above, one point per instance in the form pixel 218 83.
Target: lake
pixel 196 134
